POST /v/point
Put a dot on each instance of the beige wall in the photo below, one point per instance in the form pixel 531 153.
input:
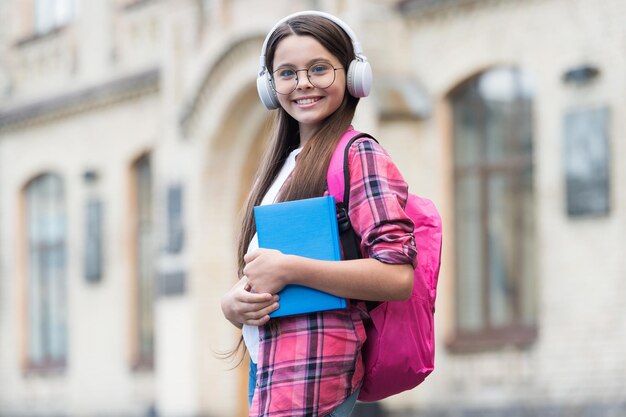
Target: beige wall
pixel 205 125
pixel 98 315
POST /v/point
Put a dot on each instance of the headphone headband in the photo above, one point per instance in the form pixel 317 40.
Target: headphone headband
pixel 356 45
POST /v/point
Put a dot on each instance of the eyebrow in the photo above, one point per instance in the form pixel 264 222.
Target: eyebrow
pixel 308 64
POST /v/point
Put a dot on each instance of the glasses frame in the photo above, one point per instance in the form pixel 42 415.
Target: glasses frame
pixel 297 79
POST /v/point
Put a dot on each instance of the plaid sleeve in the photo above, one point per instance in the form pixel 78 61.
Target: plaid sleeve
pixel 378 196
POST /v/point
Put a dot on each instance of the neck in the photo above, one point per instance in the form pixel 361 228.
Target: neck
pixel 306 132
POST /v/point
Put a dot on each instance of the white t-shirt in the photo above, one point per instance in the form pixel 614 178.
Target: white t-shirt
pixel 251 333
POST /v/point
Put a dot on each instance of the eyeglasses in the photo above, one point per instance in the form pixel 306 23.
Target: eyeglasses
pixel 320 75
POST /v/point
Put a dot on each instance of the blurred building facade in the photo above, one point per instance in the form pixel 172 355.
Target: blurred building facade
pixel 129 134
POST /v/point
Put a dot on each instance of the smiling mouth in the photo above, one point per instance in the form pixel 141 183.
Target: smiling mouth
pixel 305 101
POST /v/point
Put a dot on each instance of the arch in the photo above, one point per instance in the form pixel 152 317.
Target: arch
pixel 229 121
pixel 240 56
pixel 458 79
pixel 40 175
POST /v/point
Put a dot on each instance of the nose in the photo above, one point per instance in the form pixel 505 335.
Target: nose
pixel 303 81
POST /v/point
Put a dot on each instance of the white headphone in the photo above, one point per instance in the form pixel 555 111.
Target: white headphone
pixel 359 74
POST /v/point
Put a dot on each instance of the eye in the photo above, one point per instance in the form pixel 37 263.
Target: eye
pixel 319 69
pixel 285 73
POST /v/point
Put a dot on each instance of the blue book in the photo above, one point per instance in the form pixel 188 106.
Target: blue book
pixel 305 228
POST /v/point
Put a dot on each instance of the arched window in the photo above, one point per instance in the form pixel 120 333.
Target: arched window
pixel 144 263
pixel 494 209
pixel 47 277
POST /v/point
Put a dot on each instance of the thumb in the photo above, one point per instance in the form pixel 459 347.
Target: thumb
pixel 249 257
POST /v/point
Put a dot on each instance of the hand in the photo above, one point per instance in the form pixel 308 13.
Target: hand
pixel 266 270
pixel 240 306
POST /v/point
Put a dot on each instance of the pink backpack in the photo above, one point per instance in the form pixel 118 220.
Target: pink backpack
pixel 400 348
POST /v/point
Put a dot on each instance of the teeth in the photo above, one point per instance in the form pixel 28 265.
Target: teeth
pixel 307 101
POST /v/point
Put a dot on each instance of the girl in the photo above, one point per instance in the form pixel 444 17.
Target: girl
pixel 310 364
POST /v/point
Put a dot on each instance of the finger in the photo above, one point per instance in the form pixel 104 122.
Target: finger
pixel 251 256
pixel 245 283
pixel 259 322
pixel 263 319
pixel 259 314
pixel 257 298
pixel 270 309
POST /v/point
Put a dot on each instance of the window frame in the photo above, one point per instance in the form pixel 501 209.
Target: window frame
pixel 141 359
pixel 50 363
pixel 488 336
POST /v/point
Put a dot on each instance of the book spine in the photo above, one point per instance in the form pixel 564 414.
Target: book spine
pixel 334 228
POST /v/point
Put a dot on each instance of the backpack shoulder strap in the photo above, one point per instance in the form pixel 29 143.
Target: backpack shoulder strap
pixel 338 180
pixel 338 175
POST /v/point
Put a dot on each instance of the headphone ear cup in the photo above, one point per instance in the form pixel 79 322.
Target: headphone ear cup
pixel 266 92
pixel 359 78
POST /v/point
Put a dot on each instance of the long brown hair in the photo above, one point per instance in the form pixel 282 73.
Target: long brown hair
pixel 309 176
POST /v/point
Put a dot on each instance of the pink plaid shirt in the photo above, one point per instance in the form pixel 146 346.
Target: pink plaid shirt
pixel 312 362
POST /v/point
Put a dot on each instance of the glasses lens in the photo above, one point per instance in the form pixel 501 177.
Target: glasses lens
pixel 321 75
pixel 285 80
